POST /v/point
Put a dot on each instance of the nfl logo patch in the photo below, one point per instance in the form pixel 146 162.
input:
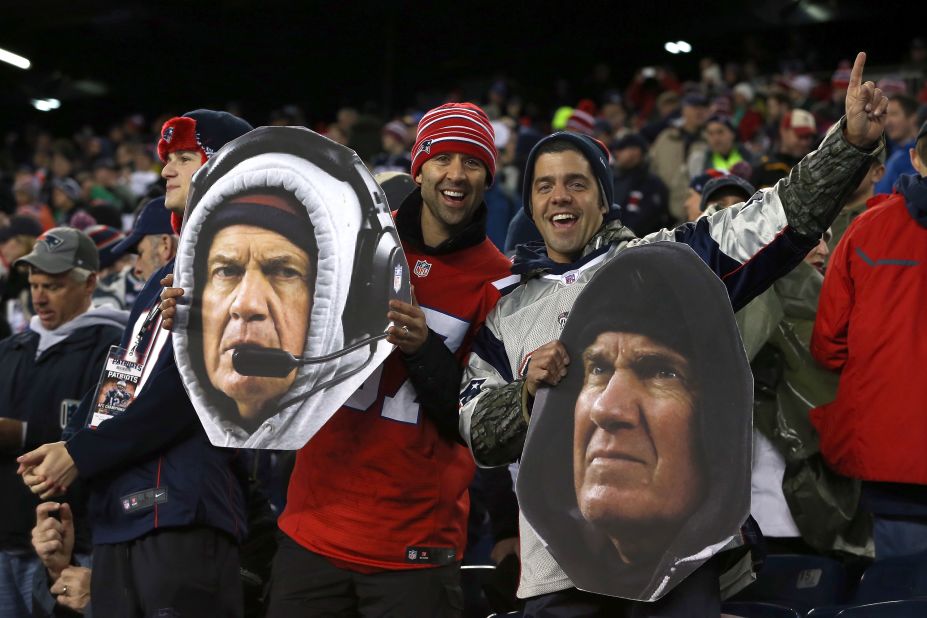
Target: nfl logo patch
pixel 168 134
pixel 413 555
pixel 570 279
pixel 422 268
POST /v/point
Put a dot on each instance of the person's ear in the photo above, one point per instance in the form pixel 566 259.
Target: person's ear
pixel 916 162
pixel 164 247
pixel 879 171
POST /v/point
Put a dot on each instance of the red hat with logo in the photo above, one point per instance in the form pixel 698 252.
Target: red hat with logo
pixel 455 127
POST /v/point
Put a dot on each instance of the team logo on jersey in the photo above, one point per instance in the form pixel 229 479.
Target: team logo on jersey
pixel 425 147
pixel 562 319
pixel 168 134
pixel 422 268
pixel 473 389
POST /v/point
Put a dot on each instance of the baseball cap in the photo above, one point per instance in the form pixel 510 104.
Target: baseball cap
pixel 922 132
pixel 631 140
pixel 20 225
pixel 68 186
pixel 800 121
pixel 714 185
pixel 60 249
pixel 154 218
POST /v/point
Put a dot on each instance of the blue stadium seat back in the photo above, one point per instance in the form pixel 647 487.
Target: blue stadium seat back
pixel 909 608
pixel 893 579
pixel 799 582
pixel 758 609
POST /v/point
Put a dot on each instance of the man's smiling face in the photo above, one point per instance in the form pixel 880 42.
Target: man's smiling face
pixel 566 203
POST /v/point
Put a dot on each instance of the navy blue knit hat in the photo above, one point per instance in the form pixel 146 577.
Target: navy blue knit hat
pixel 202 130
pixel 592 149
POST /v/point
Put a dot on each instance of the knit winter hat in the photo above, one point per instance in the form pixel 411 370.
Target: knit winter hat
pixel 203 130
pixel 594 151
pixel 455 127
pixel 580 122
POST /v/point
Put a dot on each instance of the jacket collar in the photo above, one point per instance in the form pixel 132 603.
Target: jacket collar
pixel 531 259
pixel 409 225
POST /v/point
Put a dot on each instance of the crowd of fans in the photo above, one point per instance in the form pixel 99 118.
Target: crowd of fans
pixel 679 150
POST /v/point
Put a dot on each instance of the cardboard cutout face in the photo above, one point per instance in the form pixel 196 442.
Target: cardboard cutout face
pixel 288 260
pixel 636 467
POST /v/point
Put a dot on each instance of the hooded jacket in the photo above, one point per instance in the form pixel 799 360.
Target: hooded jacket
pixel 748 246
pixel 43 376
pixel 668 295
pixel 870 328
pixel 336 216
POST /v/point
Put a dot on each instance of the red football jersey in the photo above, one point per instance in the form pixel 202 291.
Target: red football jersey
pixel 378 487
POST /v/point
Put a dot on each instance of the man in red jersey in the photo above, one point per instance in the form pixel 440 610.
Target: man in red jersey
pixel 376 514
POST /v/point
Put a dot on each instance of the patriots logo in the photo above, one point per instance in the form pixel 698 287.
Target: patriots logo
pixel 168 134
pixel 473 389
pixel 52 241
pixel 422 268
pixel 425 147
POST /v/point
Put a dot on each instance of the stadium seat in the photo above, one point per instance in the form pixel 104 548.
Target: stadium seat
pixel 910 608
pixel 757 609
pixel 891 579
pixel 798 582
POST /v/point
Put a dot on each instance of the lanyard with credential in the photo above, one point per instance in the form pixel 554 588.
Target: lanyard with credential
pixel 150 320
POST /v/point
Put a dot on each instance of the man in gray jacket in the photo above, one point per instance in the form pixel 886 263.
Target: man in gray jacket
pixel 568 195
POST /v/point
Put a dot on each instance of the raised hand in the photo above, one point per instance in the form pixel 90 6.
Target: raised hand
pixel 865 108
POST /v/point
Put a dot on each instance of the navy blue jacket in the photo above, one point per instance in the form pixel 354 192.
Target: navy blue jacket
pixel 157 453
pixel 40 392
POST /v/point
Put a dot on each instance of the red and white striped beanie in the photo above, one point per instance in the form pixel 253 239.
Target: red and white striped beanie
pixel 455 127
pixel 580 121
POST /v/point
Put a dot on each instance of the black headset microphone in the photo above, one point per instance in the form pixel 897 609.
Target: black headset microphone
pixel 278 363
pixel 377 246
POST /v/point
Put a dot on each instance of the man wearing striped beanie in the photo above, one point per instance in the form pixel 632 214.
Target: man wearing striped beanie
pixel 379 527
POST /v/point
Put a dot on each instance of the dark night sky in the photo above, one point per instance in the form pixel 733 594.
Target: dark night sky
pixel 172 56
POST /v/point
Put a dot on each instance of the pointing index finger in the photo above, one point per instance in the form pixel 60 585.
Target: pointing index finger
pixel 856 74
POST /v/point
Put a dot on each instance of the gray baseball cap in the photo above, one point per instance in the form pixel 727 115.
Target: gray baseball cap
pixel 60 249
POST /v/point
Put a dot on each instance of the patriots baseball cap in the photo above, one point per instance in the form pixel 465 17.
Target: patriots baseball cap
pixel 60 249
pixel 154 219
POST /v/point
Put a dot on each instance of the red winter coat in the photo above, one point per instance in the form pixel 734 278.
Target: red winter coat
pixel 871 326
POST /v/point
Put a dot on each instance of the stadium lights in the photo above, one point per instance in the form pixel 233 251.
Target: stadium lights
pixel 15 59
pixel 679 47
pixel 46 105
